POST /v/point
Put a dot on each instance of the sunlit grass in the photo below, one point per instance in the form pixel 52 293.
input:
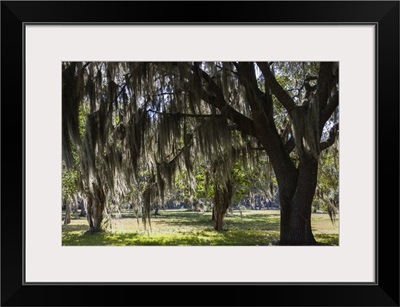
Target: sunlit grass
pixel 180 227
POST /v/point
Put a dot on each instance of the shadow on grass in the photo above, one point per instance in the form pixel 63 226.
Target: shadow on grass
pixel 210 237
pixel 233 237
pixel 246 222
pixel 327 239
pixel 195 229
pixel 229 237
pixel 103 238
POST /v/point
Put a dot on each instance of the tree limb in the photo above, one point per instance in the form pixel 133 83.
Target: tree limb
pixel 329 109
pixel 332 137
pixel 265 123
pixel 86 65
pixel 244 124
pixel 325 83
pixel 259 127
pixel 181 150
pixel 276 89
pixel 231 71
pixel 290 145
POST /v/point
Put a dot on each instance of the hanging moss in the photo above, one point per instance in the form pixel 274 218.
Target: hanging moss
pixel 72 93
pixel 141 130
pixel 305 127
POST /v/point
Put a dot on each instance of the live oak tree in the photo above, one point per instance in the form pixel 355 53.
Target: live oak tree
pixel 158 119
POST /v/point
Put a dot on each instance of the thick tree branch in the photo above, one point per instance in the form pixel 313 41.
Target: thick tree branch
pixel 86 65
pixel 255 97
pixel 325 83
pixel 247 76
pixel 181 150
pixel 260 102
pixel 276 89
pixel 244 124
pixel 290 145
pixel 329 109
pixel 231 71
pixel 264 122
pixel 261 126
pixel 309 88
pixel 214 88
pixel 332 137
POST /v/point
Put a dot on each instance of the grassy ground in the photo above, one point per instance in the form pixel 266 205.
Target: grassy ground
pixel 179 227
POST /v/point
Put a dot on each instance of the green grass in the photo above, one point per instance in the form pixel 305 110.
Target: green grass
pixel 180 227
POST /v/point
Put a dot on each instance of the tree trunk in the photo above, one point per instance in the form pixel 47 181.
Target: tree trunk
pixel 219 218
pixel 296 209
pixel 94 212
pixel 83 209
pixel 75 206
pixel 222 200
pixel 296 225
pixel 67 218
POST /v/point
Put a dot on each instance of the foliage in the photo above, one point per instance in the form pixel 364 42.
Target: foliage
pixel 69 182
pixel 70 176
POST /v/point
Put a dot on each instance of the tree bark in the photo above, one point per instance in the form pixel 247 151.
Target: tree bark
pixel 89 205
pixel 94 210
pixel 97 215
pixel 67 218
pixel 83 209
pixel 222 200
pixel 296 209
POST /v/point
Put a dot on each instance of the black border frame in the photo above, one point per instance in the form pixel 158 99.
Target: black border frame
pixel 14 17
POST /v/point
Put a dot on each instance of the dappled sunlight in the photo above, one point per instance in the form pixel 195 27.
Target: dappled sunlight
pixel 184 228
